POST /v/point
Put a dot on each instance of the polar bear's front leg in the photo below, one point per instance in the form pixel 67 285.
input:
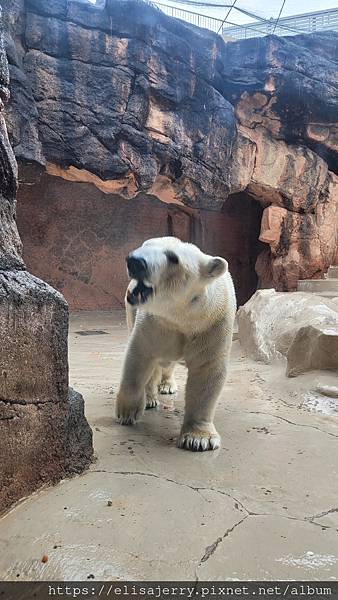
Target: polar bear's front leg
pixel 203 388
pixel 137 370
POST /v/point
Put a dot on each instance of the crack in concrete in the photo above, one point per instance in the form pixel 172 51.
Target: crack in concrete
pixel 154 475
pixel 237 502
pixel 290 518
pixel 198 489
pixel 323 514
pixel 258 412
pixel 209 551
pixel 249 513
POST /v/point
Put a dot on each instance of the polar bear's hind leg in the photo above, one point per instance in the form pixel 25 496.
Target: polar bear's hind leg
pixel 152 388
pixel 167 383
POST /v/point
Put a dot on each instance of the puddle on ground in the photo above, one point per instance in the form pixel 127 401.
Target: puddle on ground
pixel 309 560
pixel 315 402
pixel 91 332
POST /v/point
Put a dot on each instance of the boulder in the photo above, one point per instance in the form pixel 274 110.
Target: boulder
pixel 299 328
pixel 313 347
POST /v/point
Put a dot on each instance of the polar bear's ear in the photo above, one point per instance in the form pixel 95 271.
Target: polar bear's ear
pixel 214 267
pixel 172 257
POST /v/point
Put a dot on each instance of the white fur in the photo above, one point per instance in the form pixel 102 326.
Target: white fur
pixel 190 316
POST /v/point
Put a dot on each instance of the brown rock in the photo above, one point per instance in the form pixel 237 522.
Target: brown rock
pixel 272 224
pixel 289 176
pixel 82 252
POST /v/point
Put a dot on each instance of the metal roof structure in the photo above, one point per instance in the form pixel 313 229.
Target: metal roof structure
pixel 323 20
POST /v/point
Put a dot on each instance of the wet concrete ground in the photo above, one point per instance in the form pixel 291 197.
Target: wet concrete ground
pixel 262 507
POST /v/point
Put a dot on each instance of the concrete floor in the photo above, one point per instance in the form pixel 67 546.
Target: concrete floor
pixel 262 507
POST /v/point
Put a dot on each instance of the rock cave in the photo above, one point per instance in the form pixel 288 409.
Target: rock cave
pixel 76 237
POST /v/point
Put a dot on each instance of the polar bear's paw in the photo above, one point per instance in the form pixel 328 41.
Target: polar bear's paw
pixel 127 413
pixel 126 420
pixel 128 417
pixel 151 401
pixel 198 441
pixel 167 386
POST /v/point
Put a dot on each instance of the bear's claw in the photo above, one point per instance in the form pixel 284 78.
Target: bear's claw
pixel 127 420
pixel 151 402
pixel 167 387
pixel 128 416
pixel 198 442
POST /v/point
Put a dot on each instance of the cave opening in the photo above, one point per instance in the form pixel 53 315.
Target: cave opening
pixel 76 237
pixel 234 234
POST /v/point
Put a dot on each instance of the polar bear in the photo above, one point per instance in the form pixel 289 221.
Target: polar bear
pixel 180 304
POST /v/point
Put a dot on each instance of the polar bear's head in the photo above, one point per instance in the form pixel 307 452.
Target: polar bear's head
pixel 166 269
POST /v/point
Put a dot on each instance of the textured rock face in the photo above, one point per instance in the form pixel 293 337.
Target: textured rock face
pixel 313 348
pixel 43 432
pixel 303 328
pixel 83 254
pixel 39 418
pixel 132 102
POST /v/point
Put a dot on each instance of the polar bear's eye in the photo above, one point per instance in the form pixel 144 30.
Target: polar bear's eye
pixel 172 257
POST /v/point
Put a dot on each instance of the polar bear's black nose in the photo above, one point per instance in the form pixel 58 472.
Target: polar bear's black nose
pixel 137 267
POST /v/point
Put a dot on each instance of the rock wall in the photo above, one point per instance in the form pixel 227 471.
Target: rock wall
pixel 82 251
pixel 43 432
pixel 127 105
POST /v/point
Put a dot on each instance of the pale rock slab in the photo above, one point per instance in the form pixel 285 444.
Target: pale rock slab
pixel 298 327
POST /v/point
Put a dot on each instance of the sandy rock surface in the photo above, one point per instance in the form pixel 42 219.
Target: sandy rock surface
pixel 297 327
